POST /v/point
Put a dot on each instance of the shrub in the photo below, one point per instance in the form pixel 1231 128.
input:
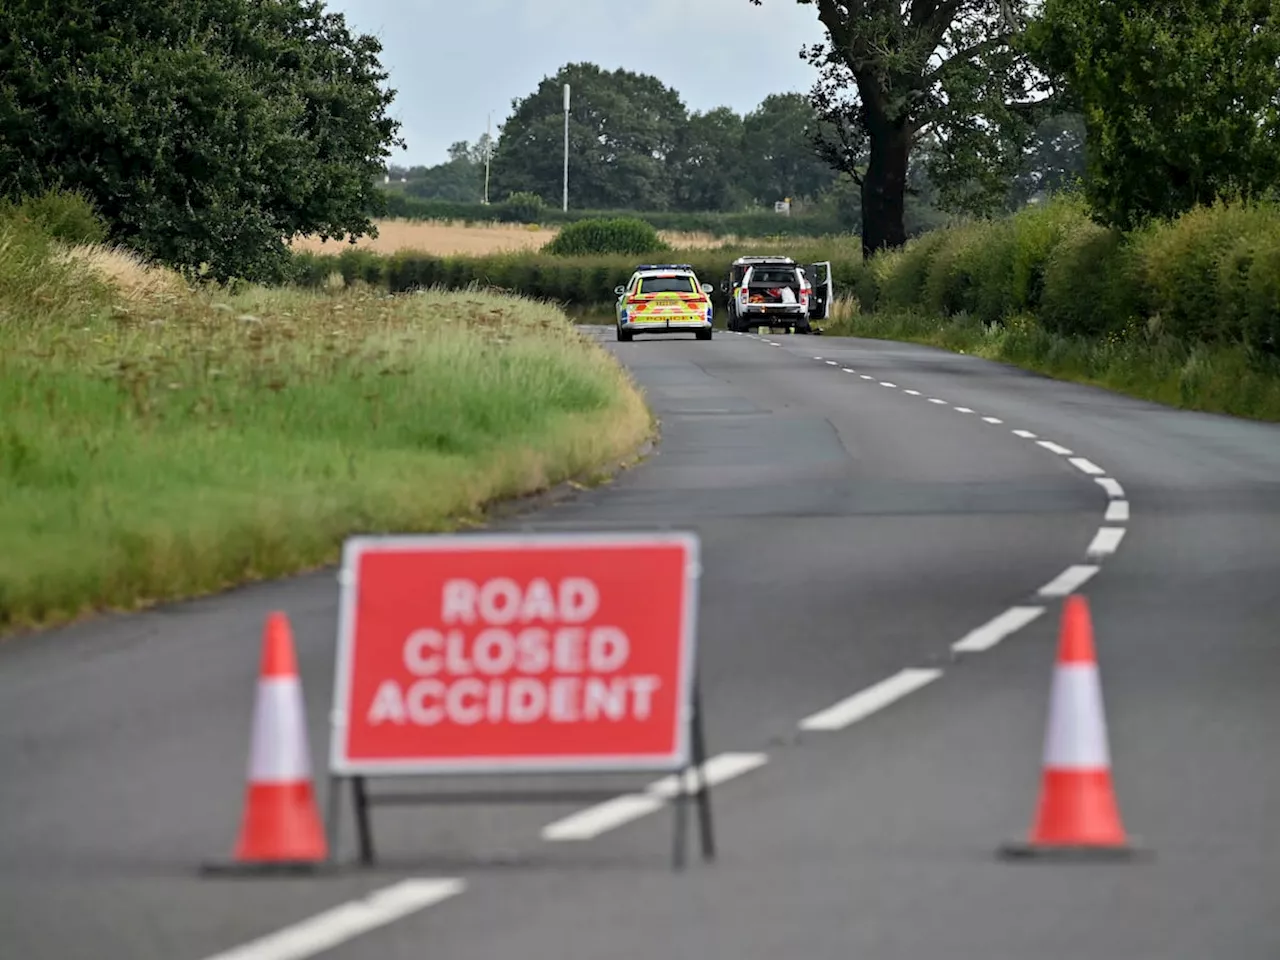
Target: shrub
pixel 1091 282
pixel 65 216
pixel 603 237
pixel 900 274
pixel 1180 263
pixel 522 207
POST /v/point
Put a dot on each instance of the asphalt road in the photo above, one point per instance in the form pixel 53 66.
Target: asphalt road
pixel 852 529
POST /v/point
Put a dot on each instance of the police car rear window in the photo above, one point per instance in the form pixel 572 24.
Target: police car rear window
pixel 666 285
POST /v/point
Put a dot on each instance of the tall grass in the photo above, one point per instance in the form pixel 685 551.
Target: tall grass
pixel 159 442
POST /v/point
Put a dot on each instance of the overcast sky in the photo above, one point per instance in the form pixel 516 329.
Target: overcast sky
pixel 453 61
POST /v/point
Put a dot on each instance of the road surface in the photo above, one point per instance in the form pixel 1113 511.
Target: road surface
pixel 864 508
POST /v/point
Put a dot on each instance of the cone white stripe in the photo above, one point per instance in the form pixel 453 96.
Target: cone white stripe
pixel 1076 737
pixel 279 752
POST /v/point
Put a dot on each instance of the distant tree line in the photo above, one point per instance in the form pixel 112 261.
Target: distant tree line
pixel 634 145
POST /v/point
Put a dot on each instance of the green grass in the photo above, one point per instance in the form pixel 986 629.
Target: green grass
pixel 168 445
pixel 1213 378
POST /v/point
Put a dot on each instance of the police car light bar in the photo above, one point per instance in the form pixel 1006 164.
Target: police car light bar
pixel 665 266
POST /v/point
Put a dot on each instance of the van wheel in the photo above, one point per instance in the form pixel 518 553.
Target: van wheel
pixel 704 334
pixel 624 335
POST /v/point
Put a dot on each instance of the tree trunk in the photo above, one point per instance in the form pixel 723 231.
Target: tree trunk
pixel 884 186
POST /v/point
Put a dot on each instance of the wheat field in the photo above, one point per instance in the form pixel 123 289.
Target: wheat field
pixel 444 238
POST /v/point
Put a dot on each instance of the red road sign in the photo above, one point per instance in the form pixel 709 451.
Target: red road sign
pixel 495 653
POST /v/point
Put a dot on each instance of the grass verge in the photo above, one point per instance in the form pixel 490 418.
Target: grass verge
pixel 1228 379
pixel 159 443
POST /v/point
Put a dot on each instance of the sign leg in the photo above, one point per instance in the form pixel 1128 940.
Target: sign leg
pixel 363 827
pixel 705 830
pixel 680 803
pixel 332 815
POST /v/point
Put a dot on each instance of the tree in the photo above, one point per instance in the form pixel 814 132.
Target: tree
pixel 1179 99
pixel 1055 158
pixel 206 131
pixel 780 157
pixel 706 164
pixel 894 72
pixel 623 128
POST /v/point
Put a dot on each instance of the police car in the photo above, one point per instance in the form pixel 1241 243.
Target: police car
pixel 664 298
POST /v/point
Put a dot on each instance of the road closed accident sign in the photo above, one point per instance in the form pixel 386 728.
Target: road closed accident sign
pixel 492 653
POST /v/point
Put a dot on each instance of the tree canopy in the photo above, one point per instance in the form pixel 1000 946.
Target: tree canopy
pixel 205 131
pixel 1178 98
pixel 633 144
pixel 894 73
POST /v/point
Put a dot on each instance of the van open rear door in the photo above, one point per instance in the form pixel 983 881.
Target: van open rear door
pixel 819 275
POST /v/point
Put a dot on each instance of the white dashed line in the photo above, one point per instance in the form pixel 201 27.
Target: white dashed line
pixel 817 358
pixel 992 420
pixel 1054 448
pixel 833 363
pixel 886 383
pixel 1112 487
pixel 1068 581
pixel 1024 434
pixel 326 930
pixel 593 821
pixel 936 400
pixel 993 631
pixel 847 370
pixel 1105 541
pixel 866 376
pixel 912 393
pixel 1087 466
pixel 1117 511
pixel 866 702
pixel 963 410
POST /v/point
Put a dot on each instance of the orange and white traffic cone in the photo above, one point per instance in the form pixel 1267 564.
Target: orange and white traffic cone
pixel 280 826
pixel 1077 813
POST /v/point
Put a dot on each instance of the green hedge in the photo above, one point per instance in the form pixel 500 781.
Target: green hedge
pixel 755 223
pixel 1210 276
pixel 574 281
pixel 625 235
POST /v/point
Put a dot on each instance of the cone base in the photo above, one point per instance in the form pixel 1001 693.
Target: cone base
pixel 264 868
pixel 1131 849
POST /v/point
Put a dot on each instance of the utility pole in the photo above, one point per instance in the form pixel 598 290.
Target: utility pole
pixel 566 148
pixel 488 152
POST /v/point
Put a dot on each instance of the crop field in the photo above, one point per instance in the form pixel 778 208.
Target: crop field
pixel 444 238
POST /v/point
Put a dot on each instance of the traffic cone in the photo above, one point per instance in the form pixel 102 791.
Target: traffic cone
pixel 1077 813
pixel 280 828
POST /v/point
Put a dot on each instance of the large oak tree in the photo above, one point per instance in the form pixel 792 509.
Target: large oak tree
pixel 896 71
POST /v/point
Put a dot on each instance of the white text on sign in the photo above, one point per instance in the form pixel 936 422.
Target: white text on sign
pixel 513 654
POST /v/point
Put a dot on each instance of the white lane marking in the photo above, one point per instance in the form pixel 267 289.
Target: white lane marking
pixel 1105 541
pixel 963 410
pixel 1117 511
pixel 992 420
pixel 719 769
pixel 593 821
pixel 912 393
pixel 866 377
pixel 1054 448
pixel 772 344
pixel 1112 487
pixel 936 400
pixel 993 631
pixel 833 363
pixel 1068 581
pixel 866 702
pixel 817 358
pixel 1024 434
pixel 886 383
pixel 847 370
pixel 326 930
pixel 1087 466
